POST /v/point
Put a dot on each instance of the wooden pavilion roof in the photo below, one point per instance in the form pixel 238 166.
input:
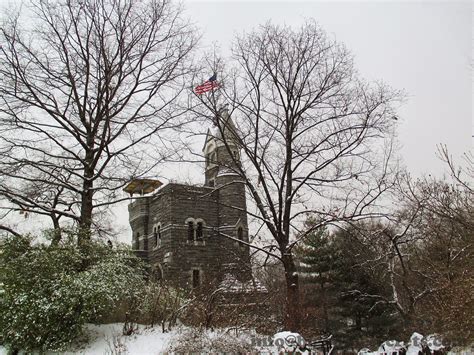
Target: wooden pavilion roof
pixel 142 186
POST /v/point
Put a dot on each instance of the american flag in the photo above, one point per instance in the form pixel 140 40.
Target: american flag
pixel 208 85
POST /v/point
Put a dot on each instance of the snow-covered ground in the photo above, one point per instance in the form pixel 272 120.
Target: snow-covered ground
pixel 108 339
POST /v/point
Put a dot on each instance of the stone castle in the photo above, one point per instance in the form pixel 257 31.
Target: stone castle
pixel 190 234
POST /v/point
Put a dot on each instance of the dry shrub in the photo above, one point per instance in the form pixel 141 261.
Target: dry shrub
pixel 196 340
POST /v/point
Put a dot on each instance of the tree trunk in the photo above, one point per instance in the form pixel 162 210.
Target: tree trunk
pixel 56 232
pixel 292 311
pixel 407 320
pixel 325 308
pixel 86 207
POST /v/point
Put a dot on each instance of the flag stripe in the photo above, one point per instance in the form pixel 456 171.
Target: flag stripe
pixel 206 86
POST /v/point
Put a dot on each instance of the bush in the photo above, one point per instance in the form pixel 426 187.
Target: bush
pixel 162 304
pixel 50 292
pixel 196 340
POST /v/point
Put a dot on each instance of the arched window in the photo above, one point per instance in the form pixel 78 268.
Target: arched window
pixel 190 230
pixel 155 236
pixel 199 231
pixel 195 229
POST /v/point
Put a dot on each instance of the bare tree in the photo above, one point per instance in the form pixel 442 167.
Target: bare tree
pixel 89 94
pixel 462 174
pixel 423 255
pixel 314 138
pixel 423 252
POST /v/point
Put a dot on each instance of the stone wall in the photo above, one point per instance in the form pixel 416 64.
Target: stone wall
pixel 171 208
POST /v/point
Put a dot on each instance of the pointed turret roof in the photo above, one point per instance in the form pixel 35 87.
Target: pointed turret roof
pixel 224 128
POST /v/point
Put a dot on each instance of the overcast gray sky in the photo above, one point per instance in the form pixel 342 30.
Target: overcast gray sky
pixel 424 48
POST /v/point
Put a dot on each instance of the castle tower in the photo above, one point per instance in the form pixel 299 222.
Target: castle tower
pixel 221 148
pixel 139 213
pixel 222 171
pixel 189 235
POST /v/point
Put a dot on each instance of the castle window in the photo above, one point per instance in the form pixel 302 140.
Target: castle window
pixel 211 183
pixel 199 231
pixel 196 278
pixel 195 230
pixel 155 236
pixel 190 230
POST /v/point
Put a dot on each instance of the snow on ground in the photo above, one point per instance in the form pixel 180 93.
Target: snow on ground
pixel 108 339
